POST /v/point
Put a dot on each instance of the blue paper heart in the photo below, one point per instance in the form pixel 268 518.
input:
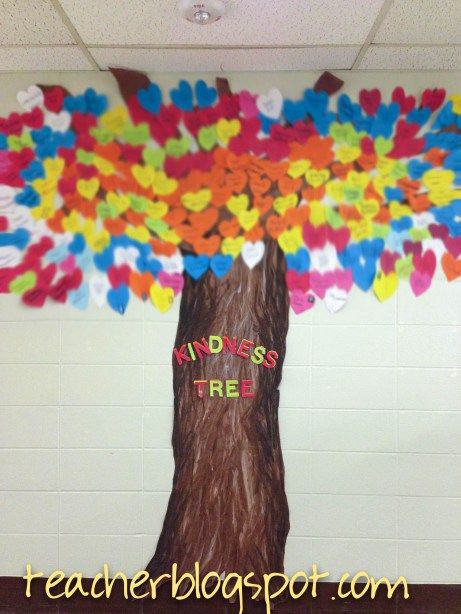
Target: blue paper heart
pixel 3 142
pixel 294 111
pixel 416 168
pixel 151 98
pixel 28 197
pixel 42 135
pixel 206 96
pixel 19 238
pixel 364 274
pixel 96 104
pixel 453 161
pixel 393 193
pixel 65 139
pixel 154 266
pixel 404 223
pixel 57 254
pixel 35 170
pixel 419 116
pixel 183 96
pixel 118 298
pixel 46 150
pixel 267 123
pixel 85 260
pixel 347 109
pixel 299 262
pixel 221 265
pixel 316 102
pixel 196 266
pixel 74 104
pixel 323 122
pixel 372 249
pixel 349 255
pixel 104 260
pixel 79 298
pixel 78 244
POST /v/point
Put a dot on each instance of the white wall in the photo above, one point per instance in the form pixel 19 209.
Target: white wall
pixel 368 419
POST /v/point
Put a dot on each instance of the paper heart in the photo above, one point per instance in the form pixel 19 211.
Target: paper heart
pixel 118 298
pixel 419 282
pixel 343 279
pixel 315 237
pixel 177 147
pixel 172 264
pixel 433 99
pixel 171 280
pixel 252 253
pixel 297 281
pixel 247 219
pixel 144 175
pixel 99 286
pixel 425 263
pixel 206 96
pixel 207 137
pixel 320 282
pixel 196 266
pixel 238 204
pixel 79 298
pixel 31 97
pixel 299 261
pixel 58 122
pixel 182 97
pixel 248 104
pixel 301 302
pixel 162 298
pixel 35 297
pixel 221 264
pixel 370 100
pixel 451 266
pixel 59 291
pixel 384 286
pixel 271 104
pixel 364 274
pixel 150 99
pixel 154 157
pixel 406 103
pixel 335 299
pixel 68 264
pixel 119 275
pixel 383 146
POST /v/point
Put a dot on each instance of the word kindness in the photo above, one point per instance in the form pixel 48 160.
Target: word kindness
pixel 245 349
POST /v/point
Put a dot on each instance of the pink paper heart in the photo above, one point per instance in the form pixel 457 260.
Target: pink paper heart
pixel 419 282
pixel 339 237
pixel 314 237
pixel 68 265
pixel 343 279
pixel 248 104
pixel 320 282
pixel 171 280
pixel 301 302
pixel 387 261
pixel 425 263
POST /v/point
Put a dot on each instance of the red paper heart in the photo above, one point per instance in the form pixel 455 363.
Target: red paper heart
pixel 53 98
pixel 433 98
pixel 34 119
pixel 315 237
pixel 119 275
pixel 406 103
pixel 297 281
pixel 339 237
pixel 425 263
pixel 370 100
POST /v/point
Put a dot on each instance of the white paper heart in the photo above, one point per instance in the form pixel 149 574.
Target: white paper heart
pixel 9 256
pixel 7 195
pixel 172 264
pixel 325 259
pixel 270 104
pixel 252 253
pixel 31 97
pixel 335 299
pixel 58 122
pixel 20 217
pixel 99 287
pixel 126 255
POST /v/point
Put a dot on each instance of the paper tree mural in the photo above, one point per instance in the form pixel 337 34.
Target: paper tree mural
pixel 242 204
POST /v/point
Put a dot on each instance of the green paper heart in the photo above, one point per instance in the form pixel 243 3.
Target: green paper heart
pixel 419 234
pixel 333 218
pixel 354 138
pixel 107 210
pixel 156 226
pixel 23 282
pixel 383 146
pixel 136 135
pixel 85 157
pixel 138 203
pixel 353 194
pixel 399 171
pixel 154 157
pixel 380 231
pixel 16 143
pixel 177 147
pixel 101 135
pixel 341 133
pixel 207 137
pixel 404 267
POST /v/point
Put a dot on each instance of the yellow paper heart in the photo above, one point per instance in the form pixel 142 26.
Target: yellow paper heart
pixel 247 219
pixel 72 223
pixel 360 230
pixel 238 204
pixel 196 201
pixel 335 190
pixel 317 178
pixel 436 179
pixel 368 208
pixel 290 240
pixel 115 119
pixel 144 175
pixel 226 129
pixel 170 236
pixel 121 201
pixel 384 286
pixel 347 153
pixel 156 210
pixel 88 188
pixel 104 166
pixel 45 187
pixel 298 168
pixel 97 240
pixel 162 298
pixel 385 166
pixel 317 213
pixel 358 180
pixel 283 203
pixel 44 211
pixel 53 167
pixel 163 185
pixel 456 100
pixel 138 233
pixel 232 247
pixel 381 183
pixel 442 196
pixel 398 211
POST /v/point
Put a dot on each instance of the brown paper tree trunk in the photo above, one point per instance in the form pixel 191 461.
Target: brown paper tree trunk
pixel 228 509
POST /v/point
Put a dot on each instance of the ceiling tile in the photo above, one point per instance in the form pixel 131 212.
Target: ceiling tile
pixel 215 60
pixel 42 58
pixel 256 22
pixel 421 21
pixel 412 58
pixel 33 22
